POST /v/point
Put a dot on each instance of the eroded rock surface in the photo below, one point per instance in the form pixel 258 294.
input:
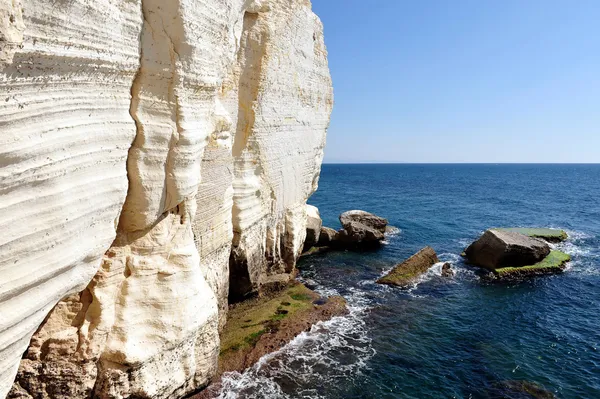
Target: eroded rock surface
pixel 146 148
pixel 368 219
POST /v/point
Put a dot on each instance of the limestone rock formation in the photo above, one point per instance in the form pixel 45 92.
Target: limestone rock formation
pixel 497 249
pixel 156 157
pixel 313 226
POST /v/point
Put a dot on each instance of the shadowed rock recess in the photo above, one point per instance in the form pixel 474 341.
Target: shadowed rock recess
pixel 156 159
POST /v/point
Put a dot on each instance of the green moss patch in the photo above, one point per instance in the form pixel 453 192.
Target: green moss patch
pixel 248 321
pixel 553 263
pixel 552 235
pixel 407 272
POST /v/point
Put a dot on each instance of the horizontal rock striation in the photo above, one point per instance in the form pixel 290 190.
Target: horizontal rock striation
pixel 156 160
pixel 66 71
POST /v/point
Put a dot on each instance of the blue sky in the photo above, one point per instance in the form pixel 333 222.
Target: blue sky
pixel 463 80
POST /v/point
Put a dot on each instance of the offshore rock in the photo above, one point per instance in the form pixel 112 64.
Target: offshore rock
pixel 447 270
pixel 356 235
pixel 146 147
pixel 361 230
pixel 408 272
pixel 368 219
pixel 497 249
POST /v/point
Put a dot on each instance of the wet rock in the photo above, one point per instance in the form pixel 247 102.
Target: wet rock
pixel 499 248
pixel 407 272
pixel 327 237
pixel 447 270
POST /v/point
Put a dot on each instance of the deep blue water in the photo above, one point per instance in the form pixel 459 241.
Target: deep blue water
pixel 457 338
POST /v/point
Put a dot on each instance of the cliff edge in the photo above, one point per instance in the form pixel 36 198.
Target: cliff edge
pixel 156 158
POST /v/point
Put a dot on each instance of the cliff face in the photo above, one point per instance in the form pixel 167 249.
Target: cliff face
pixel 156 159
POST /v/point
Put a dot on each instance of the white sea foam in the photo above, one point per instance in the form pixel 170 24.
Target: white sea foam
pixel 393 231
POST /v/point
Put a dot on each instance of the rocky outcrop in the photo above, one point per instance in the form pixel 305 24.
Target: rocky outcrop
pixel 349 220
pixel 361 230
pixel 157 157
pixel 497 249
pixel 327 236
pixel 314 224
pixel 408 272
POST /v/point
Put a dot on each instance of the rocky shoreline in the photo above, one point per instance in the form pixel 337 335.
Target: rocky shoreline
pixel 259 326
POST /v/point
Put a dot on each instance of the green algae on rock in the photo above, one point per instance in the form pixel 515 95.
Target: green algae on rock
pixel 551 235
pixel 262 325
pixel 407 272
pixel 552 264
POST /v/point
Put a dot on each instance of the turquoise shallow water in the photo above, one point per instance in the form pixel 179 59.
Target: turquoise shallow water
pixel 458 338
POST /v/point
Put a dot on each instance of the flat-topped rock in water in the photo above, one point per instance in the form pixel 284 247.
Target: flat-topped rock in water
pixel 365 218
pixel 498 249
pixel 550 235
pixel 407 272
pixel 554 263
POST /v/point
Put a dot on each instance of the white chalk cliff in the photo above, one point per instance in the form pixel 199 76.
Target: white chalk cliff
pixel 155 159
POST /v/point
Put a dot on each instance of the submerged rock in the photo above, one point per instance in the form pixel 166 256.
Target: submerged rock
pixel 550 235
pixel 407 272
pixel 519 390
pixel 313 227
pixel 497 249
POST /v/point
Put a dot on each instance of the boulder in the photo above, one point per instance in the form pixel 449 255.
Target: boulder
pixel 499 248
pixel 355 233
pixel 447 270
pixel 327 237
pixel 313 226
pixel 407 272
pixel 365 218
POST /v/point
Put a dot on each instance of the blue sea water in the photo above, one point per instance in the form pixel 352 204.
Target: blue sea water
pixel 447 338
